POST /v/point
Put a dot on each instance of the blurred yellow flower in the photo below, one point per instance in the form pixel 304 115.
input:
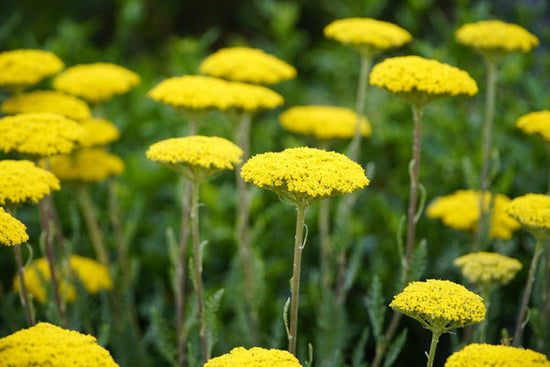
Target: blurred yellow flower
pixel 22 68
pixel 487 355
pixel 533 212
pixel 12 231
pixel 248 97
pixel 100 132
pixel 487 268
pixel 254 357
pixel 86 166
pixel 535 123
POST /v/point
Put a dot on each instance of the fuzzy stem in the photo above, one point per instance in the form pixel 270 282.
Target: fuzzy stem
pixel 22 286
pixel 355 146
pixel 433 347
pixel 87 207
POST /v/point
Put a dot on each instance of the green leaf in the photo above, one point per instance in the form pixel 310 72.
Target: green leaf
pixel 376 308
pixel 359 350
pixel 162 337
pixel 285 316
pixel 419 261
pixel 395 348
pixel 211 308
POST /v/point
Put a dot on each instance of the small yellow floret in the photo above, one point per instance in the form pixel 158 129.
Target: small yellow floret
pixel 47 101
pixel 488 268
pixel 22 68
pixel 533 212
pixel 486 355
pixel 100 132
pixel 536 123
pixel 86 166
pixel 254 357
pixel 495 35
pixel 12 231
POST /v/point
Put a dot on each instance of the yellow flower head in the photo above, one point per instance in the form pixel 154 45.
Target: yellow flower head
pixel 487 355
pixel 248 97
pixel 460 210
pixel 47 101
pixel 22 182
pixel 533 212
pixel 245 64
pixel 367 34
pixel 254 357
pixel 96 82
pixel 12 231
pixel 487 268
pixel 440 304
pixel 45 344
pixel 22 68
pixel 421 80
pixel 86 166
pixel 304 174
pixel 323 122
pixel 197 157
pixel 40 134
pixel 536 123
pixel 100 132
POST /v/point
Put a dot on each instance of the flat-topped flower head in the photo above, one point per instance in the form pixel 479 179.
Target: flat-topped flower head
pixel 419 80
pixel 197 157
pixel 304 175
pixel 537 122
pixel 23 182
pixel 45 344
pixel 97 82
pixel 487 355
pixel 533 212
pixel 440 304
pixel 47 101
pixel 460 210
pixel 254 357
pixel 245 64
pixel 99 132
pixel 12 231
pixel 40 134
pixel 323 122
pixel 20 69
pixel 487 268
pixel 248 97
pixel 367 35
pixel 86 166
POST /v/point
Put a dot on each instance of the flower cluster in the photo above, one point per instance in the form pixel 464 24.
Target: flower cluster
pixel 261 67
pixel 323 122
pixel 12 231
pixel 254 357
pixel 496 35
pixel 45 344
pixel 487 355
pixel 487 268
pixel 535 123
pixel 22 68
pixel 249 97
pixel 460 210
pixel 533 212
pixel 99 132
pixel 86 166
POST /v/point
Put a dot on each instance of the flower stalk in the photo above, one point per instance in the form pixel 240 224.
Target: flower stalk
pixel 433 347
pixel 22 286
pixel 90 216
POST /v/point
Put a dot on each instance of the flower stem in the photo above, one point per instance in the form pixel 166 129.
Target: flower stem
pixel 324 245
pixel 295 281
pixel 481 334
pixel 355 146
pixel 433 347
pixel 546 307
pixel 22 286
pixel 527 293
pixel 87 207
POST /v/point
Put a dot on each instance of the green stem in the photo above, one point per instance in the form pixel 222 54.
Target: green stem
pixel 546 306
pixel 481 336
pixel 90 216
pixel 324 245
pixel 180 273
pixel 355 146
pixel 433 347
pixel 22 285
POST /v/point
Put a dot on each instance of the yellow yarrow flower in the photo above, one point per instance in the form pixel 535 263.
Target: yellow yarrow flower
pixel 304 174
pixel 96 82
pixel 22 68
pixel 86 166
pixel 248 97
pixel 487 268
pixel 533 212
pixel 45 344
pixel 254 357
pixel 460 210
pixel 487 355
pixel 40 134
pixel 22 181
pixel 535 123
pixel 245 64
pixel 99 132
pixel 47 101
pixel 420 80
pixel 323 122
pixel 12 231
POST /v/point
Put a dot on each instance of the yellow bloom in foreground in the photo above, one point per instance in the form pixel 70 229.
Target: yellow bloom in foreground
pixel 197 157
pixel 323 122
pixel 440 304
pixel 486 355
pixel 487 268
pixel 100 132
pixel 495 35
pixel 86 166
pixel 533 212
pixel 421 80
pixel 245 64
pixel 536 123
pixel 254 357
pixel 249 97
pixel 22 182
pixel 22 68
pixel 45 344
pixel 12 231
pixel 460 210
pixel 304 174
pixel 47 101
pixel 40 134
pixel 96 82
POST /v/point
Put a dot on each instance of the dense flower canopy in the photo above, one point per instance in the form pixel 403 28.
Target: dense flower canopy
pixel 245 64
pixel 323 122
pixel 86 166
pixel 47 101
pixel 96 82
pixel 304 174
pixel 537 122
pixel 533 212
pixel 45 344
pixel 99 132
pixel 22 68
pixel 12 231
pixel 487 268
pixel 254 357
pixel 486 355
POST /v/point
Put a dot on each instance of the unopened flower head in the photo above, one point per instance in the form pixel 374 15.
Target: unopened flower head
pixel 47 101
pixel 245 64
pixel 254 357
pixel 487 355
pixel 323 122
pixel 533 212
pixel 96 82
pixel 487 268
pixel 45 344
pixel 12 231
pixel 421 80
pixel 304 174
pixel 99 132
pixel 86 166
pixel 440 304
pixel 536 123
pixel 22 68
